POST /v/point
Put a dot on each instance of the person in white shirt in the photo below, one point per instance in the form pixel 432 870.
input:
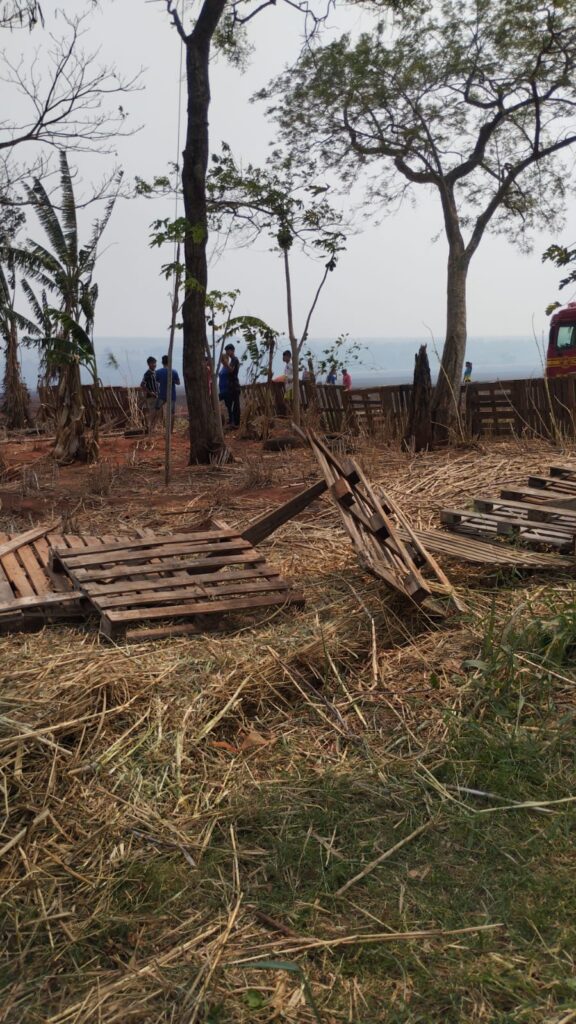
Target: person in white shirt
pixel 288 373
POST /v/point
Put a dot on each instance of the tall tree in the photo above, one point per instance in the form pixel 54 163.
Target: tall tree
pixel 472 99
pixel 218 24
pixel 64 269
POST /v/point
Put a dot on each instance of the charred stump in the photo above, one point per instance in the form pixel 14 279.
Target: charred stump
pixel 418 434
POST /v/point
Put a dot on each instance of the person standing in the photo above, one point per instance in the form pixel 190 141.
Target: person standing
pixel 162 378
pixel 149 386
pixel 229 384
pixel 346 380
pixel 288 374
pixel 331 376
pixel 467 373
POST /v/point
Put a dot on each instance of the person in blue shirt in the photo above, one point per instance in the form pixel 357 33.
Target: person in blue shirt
pixel 162 380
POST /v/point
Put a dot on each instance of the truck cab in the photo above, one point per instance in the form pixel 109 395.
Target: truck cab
pixel 561 356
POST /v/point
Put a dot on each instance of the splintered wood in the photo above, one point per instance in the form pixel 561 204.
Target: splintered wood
pixel 190 576
pixel 385 543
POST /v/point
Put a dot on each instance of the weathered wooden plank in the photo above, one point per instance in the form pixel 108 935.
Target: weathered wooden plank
pixel 34 570
pixel 119 545
pixel 451 517
pixel 124 555
pixel 39 601
pixel 176 582
pixel 552 483
pixel 249 556
pixel 544 512
pixel 111 621
pixel 264 526
pixel 543 496
pixel 132 600
pixel 20 539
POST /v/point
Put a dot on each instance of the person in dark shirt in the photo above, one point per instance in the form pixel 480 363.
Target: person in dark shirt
pixel 149 385
pixel 229 385
pixel 162 378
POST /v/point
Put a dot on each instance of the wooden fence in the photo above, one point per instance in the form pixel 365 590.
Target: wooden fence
pixel 533 407
pixel 109 406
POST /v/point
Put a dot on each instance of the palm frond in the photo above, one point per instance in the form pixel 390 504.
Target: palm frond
pixel 40 309
pixel 98 228
pixel 33 265
pixel 68 206
pixel 48 218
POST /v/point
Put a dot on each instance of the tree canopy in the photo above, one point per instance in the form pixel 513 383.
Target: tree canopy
pixel 473 99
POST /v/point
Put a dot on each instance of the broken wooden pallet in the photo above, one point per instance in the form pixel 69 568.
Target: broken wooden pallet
pixel 185 576
pixel 31 595
pixel 533 533
pixel 372 521
pixel 465 548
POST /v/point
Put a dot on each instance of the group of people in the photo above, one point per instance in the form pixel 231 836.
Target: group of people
pixel 154 384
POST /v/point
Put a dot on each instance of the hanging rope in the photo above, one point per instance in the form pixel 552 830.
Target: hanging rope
pixel 177 280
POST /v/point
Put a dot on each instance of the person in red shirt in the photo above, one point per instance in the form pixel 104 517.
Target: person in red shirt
pixel 346 380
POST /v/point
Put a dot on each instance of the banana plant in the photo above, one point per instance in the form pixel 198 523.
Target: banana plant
pixel 64 269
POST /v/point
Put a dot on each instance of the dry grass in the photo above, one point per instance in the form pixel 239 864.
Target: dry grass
pixel 178 818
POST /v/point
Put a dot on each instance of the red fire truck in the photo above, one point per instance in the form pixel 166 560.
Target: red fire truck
pixel 561 357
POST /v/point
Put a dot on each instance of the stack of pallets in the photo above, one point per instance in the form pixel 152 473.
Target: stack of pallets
pixel 540 516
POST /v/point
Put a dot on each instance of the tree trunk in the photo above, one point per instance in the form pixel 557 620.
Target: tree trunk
pixel 70 421
pixel 205 435
pixel 16 398
pixel 446 402
pixel 295 397
pixel 418 434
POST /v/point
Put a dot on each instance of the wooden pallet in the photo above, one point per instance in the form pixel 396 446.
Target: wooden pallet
pixel 165 578
pixel 545 513
pixel 529 532
pixel 30 593
pixel 372 521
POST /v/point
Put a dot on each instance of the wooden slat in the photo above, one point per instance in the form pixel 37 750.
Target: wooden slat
pixel 450 517
pixel 119 546
pixel 189 595
pixel 17 576
pixel 543 496
pixel 541 513
pixel 6 592
pixel 249 556
pixel 178 611
pixel 34 571
pixel 552 483
pixel 140 586
pixel 162 551
pixel 20 539
pixel 38 601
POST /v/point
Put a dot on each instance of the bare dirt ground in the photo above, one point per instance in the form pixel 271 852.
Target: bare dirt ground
pixel 343 813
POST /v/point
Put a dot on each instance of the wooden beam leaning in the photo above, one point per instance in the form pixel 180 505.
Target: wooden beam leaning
pixel 265 525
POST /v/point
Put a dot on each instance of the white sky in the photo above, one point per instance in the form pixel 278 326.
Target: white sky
pixel 389 283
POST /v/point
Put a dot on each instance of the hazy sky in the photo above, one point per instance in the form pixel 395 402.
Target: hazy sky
pixel 391 280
